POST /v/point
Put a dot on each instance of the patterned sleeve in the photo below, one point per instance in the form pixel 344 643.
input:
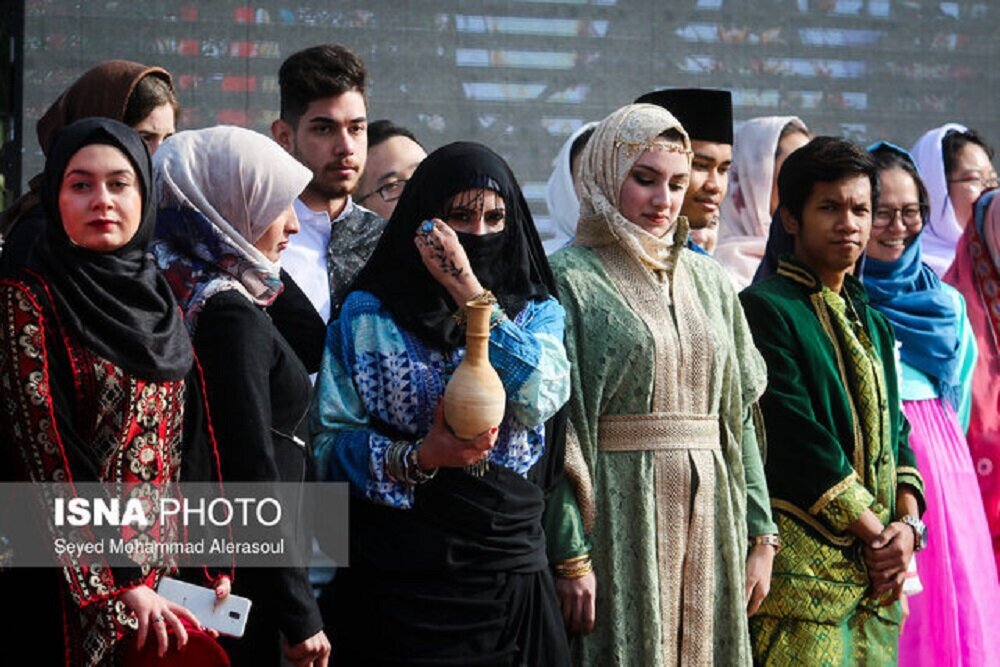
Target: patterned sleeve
pixel 346 445
pixel 531 361
pixel 36 426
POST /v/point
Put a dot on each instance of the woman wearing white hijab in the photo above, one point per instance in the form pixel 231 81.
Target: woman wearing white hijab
pixel 225 216
pixel 560 194
pixel 759 149
pixel 955 165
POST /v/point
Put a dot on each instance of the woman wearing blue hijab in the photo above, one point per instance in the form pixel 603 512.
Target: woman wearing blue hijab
pixel 949 619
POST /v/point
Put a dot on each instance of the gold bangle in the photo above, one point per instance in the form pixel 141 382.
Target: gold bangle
pixel 769 540
pixel 486 297
pixel 574 568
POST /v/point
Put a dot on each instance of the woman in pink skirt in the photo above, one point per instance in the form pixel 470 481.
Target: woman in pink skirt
pixel 961 598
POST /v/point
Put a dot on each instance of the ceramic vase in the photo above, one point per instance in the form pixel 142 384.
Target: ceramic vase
pixel 475 400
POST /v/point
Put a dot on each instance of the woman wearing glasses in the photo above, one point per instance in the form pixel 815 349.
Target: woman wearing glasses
pixel 955 164
pixel 948 620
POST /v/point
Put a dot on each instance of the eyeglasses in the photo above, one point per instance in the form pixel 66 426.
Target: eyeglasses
pixel 389 192
pixel 912 215
pixel 984 183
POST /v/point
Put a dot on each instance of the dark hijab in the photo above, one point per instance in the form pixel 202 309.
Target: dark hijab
pixel 779 244
pixel 104 90
pixel 497 528
pixel 510 263
pixel 116 302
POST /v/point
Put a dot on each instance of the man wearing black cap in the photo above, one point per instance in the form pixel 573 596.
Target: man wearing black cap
pixel 707 116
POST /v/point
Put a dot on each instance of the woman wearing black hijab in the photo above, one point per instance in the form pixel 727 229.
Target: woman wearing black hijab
pixel 96 366
pixel 448 562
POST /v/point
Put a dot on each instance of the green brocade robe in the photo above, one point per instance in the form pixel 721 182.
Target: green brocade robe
pixel 631 499
pixel 826 463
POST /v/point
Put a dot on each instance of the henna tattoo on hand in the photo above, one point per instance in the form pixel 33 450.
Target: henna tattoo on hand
pixel 444 259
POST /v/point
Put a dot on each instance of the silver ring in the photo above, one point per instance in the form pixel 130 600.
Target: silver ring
pixel 158 619
pixel 427 227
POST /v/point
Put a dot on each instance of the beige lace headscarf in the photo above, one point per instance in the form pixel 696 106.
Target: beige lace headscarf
pixel 619 140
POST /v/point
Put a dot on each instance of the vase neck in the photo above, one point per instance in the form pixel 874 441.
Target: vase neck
pixel 477 331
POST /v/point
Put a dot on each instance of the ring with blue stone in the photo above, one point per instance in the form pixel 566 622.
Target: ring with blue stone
pixel 427 227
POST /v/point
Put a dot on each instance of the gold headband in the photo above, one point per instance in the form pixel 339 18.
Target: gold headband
pixel 637 147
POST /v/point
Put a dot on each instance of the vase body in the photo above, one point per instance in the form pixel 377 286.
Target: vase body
pixel 475 400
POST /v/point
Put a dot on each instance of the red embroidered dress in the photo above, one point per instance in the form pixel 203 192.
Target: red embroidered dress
pixel 69 415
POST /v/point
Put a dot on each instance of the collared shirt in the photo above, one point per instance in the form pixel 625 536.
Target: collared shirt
pixel 305 259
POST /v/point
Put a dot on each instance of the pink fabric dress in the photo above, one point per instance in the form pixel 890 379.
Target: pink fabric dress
pixel 975 274
pixel 951 621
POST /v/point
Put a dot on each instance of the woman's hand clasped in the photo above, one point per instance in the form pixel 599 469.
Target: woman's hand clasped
pixel 442 449
pixel 157 613
pixel 445 259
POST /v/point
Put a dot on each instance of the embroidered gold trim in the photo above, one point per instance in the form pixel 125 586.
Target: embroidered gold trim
pixel 683 356
pixel 633 148
pixel 579 478
pixel 796 273
pixel 833 492
pixel 695 345
pixel 696 645
pixel 910 471
pixel 795 511
pixel 658 431
pixel 646 297
pixel 819 306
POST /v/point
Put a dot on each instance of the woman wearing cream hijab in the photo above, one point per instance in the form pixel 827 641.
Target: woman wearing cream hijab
pixel 662 451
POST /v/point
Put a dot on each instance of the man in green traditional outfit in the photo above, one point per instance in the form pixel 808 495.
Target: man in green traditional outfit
pixel 844 486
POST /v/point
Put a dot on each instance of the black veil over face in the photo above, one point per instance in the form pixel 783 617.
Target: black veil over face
pixel 514 269
pixel 513 266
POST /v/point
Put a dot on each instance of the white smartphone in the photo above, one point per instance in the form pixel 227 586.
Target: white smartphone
pixel 229 618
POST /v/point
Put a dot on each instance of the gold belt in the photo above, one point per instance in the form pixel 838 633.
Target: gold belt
pixel 658 431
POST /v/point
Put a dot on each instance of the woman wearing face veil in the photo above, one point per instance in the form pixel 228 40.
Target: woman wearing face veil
pixel 448 558
pixel 99 386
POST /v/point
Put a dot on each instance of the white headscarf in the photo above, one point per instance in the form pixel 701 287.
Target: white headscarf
pixel 560 195
pixel 620 140
pixel 746 211
pixel 220 189
pixel 940 236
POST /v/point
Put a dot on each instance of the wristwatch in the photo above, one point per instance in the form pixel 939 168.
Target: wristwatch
pixel 919 530
pixel 770 540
